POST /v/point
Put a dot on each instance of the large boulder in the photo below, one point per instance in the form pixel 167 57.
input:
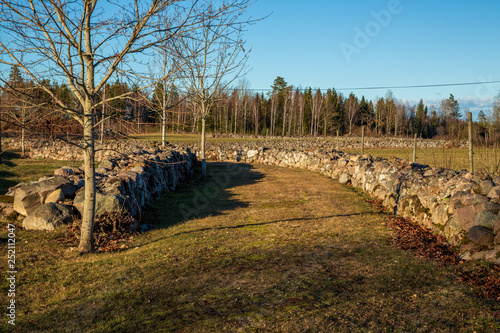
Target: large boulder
pixel 29 197
pixel 252 153
pixel 486 219
pixel 48 217
pixel 481 235
pixel 494 193
pixel 465 216
pixel 107 163
pixel 104 202
pixel 64 172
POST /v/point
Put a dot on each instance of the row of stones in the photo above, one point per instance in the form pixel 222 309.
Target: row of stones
pixel 65 151
pixel 128 182
pixel 456 204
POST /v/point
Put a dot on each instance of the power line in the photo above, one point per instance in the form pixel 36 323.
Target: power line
pixel 396 87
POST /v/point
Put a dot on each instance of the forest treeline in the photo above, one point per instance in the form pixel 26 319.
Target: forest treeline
pixel 282 111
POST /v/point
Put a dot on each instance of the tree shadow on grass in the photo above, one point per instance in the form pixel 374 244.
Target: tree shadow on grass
pixel 239 226
pixel 201 198
pixel 8 156
pixel 6 182
pixel 5 175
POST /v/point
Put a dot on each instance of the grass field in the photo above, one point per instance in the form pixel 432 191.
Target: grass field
pixel 251 249
pixel 15 169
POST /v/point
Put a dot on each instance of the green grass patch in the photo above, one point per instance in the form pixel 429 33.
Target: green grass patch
pixel 14 169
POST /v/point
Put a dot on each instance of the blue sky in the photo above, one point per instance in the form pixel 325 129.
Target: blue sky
pixel 346 43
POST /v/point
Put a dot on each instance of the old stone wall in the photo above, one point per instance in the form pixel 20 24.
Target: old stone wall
pixel 129 181
pixel 59 150
pixel 456 204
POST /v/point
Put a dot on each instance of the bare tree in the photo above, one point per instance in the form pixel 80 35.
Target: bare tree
pixel 317 104
pixel 85 45
pixel 219 57
pixel 22 105
pixel 274 109
pixel 352 110
pixel 287 101
pixel 22 109
pixel 301 103
pixel 256 113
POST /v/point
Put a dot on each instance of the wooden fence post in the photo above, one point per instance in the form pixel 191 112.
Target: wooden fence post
pixel 338 139
pixel 415 149
pixel 362 140
pixel 471 152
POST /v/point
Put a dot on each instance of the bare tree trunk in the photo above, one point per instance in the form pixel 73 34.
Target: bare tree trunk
pixel 236 109
pixel 256 105
pixel 164 129
pixel 195 123
pixel 203 160
pixel 23 144
pixel 1 131
pixel 103 117
pixel 179 119
pixel 245 105
pixel 164 118
pixel 86 237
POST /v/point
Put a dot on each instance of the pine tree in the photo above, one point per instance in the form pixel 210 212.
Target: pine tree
pixel 454 107
pixel 419 118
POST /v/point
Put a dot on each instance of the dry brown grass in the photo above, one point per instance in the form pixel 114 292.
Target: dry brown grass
pixel 275 250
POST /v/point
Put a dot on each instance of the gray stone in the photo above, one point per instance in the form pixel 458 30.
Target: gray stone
pixel 465 216
pixel 472 199
pixel 483 187
pixel 104 202
pixel 107 164
pixel 343 178
pixel 494 193
pixel 487 205
pixel 29 197
pixel 496 228
pixel 481 235
pixel 48 217
pixel 50 185
pixel 64 172
pixel 486 219
pixel 252 153
pixel 55 196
